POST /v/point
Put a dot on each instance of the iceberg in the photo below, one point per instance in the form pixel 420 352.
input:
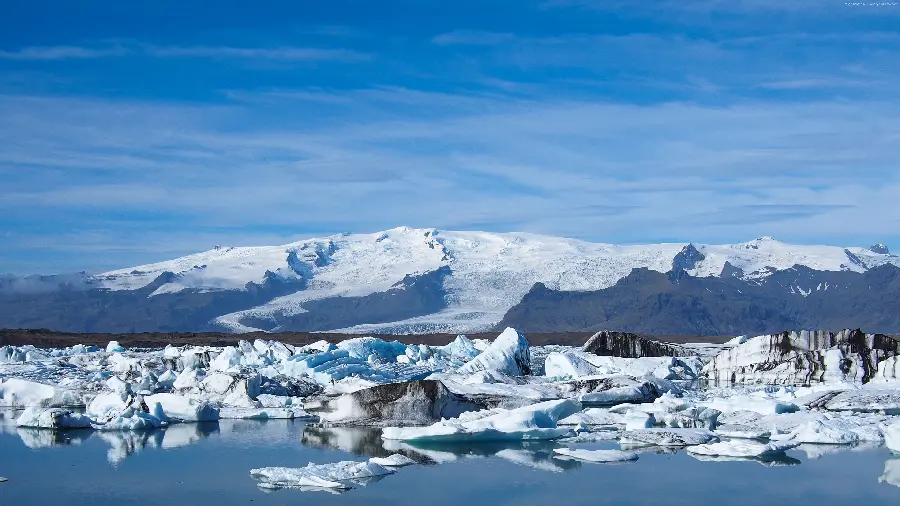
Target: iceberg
pixel 668 437
pixel 601 456
pixel 742 449
pixel 18 393
pixel 820 432
pixel 339 475
pixel 536 421
pixel 183 409
pixel 891 434
pixel 52 418
pixel 891 474
pixel 395 460
pixel 114 347
pixel 509 354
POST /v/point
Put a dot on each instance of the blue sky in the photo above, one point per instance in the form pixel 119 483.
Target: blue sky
pixel 138 131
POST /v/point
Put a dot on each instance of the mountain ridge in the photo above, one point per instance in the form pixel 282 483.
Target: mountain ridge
pixel 403 280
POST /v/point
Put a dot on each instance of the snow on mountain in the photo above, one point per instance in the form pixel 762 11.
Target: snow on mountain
pixel 490 272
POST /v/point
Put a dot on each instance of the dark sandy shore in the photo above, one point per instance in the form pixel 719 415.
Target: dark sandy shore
pixel 44 338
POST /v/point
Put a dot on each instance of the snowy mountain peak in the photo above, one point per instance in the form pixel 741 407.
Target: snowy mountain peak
pixel 880 249
pixel 480 275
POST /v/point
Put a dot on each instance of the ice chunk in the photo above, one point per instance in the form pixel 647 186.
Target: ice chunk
pixel 337 475
pixel 820 432
pixel 132 419
pixel 289 413
pixel 508 354
pixel 866 401
pixel 18 393
pixel 568 366
pixel 635 420
pixel 594 416
pixel 114 347
pixel 413 402
pixel 395 460
pixel 334 365
pixel 744 403
pixel 891 434
pixel 536 421
pixel 2 479
pixel 668 437
pixel 52 418
pixel 184 409
pixel 742 448
pixel 602 456
pixel 107 404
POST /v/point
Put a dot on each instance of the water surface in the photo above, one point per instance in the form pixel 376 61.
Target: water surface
pixel 209 464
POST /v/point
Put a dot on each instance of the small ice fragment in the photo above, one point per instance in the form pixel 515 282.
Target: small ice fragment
pixel 742 448
pixel 601 456
pixel 395 460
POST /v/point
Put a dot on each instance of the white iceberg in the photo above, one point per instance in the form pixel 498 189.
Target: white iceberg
pixel 602 456
pixel 508 354
pixel 395 460
pixel 668 437
pixel 114 347
pixel 891 434
pixel 536 421
pixel 339 475
pixel 742 449
pixel 183 409
pixel 820 432
pixel 18 393
pixel 635 420
pixel 52 418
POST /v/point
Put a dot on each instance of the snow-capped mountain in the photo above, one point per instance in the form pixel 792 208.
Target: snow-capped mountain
pixel 401 280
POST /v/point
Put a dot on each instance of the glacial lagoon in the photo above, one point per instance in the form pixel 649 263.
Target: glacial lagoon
pixel 209 463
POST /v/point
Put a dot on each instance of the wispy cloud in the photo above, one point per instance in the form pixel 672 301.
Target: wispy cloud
pixel 471 38
pixel 51 53
pixel 279 53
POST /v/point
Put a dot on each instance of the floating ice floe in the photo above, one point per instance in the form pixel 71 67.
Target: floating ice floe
pixel 536 421
pixel 184 409
pixel 601 456
pixel 395 460
pixel 290 413
pixel 2 479
pixel 668 437
pixel 866 400
pixel 742 449
pixel 820 432
pixel 52 418
pixel 339 475
pixel 114 347
pixel 891 433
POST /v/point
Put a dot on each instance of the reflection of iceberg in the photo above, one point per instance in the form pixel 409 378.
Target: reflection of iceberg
pixel 123 444
pixel 180 435
pixel 891 474
pixel 815 451
pixel 43 438
pixel 765 461
pixel 541 459
pixel 355 440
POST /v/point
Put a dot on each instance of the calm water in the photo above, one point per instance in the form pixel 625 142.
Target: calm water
pixel 209 464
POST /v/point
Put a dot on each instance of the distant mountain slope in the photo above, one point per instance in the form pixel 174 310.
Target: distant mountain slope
pixel 675 303
pixel 401 280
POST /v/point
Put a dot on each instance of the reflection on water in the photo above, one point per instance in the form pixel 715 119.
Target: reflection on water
pixel 891 474
pixel 367 442
pixel 781 461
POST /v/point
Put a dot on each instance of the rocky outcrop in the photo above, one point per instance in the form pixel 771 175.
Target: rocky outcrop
pixel 628 345
pixel 411 403
pixel 803 358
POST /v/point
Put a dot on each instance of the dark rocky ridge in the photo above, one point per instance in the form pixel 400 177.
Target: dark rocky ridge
pixel 674 303
pixel 628 345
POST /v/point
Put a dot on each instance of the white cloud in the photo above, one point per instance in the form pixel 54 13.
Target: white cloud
pixel 278 53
